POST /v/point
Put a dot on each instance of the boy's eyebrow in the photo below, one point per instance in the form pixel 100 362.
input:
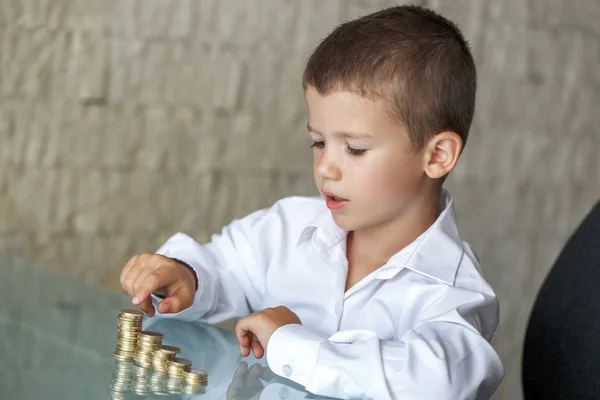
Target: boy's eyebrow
pixel 355 135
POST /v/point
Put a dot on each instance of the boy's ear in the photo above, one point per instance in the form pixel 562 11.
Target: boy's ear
pixel 442 154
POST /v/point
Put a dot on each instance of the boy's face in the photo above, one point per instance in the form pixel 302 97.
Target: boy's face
pixel 364 158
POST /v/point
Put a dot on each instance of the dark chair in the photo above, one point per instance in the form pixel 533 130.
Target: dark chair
pixel 561 355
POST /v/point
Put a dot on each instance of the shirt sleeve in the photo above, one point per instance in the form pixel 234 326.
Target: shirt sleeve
pixel 231 268
pixel 444 356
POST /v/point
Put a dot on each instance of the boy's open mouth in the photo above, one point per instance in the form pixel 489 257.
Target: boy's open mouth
pixel 333 202
pixel 335 198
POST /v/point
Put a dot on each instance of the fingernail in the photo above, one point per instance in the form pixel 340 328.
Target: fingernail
pixel 135 300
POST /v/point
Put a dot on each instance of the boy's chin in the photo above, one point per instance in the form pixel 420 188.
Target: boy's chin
pixel 345 221
pixel 352 222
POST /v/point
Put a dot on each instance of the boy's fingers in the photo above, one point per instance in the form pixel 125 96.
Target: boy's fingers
pixel 131 276
pixel 147 307
pixel 244 346
pixel 257 348
pixel 243 333
pixel 151 282
pixel 137 275
pixel 126 269
pixel 163 307
pixel 169 305
pixel 142 274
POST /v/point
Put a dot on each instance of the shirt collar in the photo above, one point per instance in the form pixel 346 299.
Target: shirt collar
pixel 323 231
pixel 436 253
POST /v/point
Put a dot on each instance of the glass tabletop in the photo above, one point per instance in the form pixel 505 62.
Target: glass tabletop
pixel 58 335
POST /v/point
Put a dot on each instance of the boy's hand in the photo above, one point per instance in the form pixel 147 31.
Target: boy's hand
pixel 255 330
pixel 146 273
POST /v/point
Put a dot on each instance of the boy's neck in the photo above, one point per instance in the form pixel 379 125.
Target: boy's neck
pixel 376 245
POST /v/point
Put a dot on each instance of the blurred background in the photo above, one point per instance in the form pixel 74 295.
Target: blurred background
pixel 124 121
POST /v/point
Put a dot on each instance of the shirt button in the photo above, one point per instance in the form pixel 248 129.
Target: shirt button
pixel 287 370
pixel 284 393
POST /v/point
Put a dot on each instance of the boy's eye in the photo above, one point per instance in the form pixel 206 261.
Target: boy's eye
pixel 318 144
pixel 355 152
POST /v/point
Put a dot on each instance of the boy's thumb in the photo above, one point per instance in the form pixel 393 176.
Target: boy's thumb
pixel 169 305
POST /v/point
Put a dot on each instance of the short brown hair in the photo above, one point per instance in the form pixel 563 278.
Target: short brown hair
pixel 413 59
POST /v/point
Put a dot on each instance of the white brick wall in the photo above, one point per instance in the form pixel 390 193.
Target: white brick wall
pixel 122 121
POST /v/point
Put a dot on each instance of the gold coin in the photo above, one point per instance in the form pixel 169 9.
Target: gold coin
pixel 127 348
pixel 159 363
pixel 128 321
pixel 181 361
pixel 170 349
pixel 195 375
pixel 145 339
pixel 142 351
pixel 131 341
pixel 123 352
pixel 197 372
pixel 132 313
pixel 160 353
pixel 150 334
pixel 127 317
pixel 148 345
pixel 127 332
pixel 145 349
pixel 177 366
pixel 127 343
pixel 128 328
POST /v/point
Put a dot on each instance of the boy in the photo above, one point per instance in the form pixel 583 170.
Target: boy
pixel 368 291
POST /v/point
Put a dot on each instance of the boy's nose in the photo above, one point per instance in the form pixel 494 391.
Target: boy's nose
pixel 326 169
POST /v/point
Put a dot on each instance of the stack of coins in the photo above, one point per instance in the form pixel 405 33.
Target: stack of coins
pixel 195 376
pixel 129 325
pixel 140 384
pixel 121 378
pixel 177 366
pixel 161 356
pixel 147 343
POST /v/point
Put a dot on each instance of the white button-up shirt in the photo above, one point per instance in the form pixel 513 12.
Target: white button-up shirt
pixel 417 328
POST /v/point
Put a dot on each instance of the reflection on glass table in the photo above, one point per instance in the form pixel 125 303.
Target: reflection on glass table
pixel 58 335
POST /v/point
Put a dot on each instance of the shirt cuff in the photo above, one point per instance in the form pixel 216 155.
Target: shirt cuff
pixel 293 352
